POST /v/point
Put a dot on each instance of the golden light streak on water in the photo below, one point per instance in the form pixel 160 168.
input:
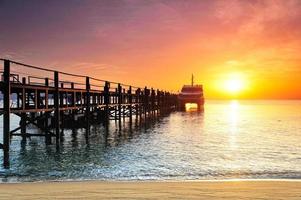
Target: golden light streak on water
pixel 233 122
pixel 191 107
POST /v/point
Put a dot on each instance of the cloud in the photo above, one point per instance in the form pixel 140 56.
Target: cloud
pixel 264 33
pixel 18 56
pixel 254 17
pixel 98 70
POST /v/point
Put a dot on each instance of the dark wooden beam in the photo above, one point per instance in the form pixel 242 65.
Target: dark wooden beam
pixel 57 108
pixel 6 113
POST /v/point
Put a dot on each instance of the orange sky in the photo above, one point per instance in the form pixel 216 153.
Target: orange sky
pixel 160 43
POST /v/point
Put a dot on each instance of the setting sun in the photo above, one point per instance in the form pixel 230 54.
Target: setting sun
pixel 233 83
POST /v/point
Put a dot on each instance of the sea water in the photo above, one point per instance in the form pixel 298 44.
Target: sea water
pixel 227 140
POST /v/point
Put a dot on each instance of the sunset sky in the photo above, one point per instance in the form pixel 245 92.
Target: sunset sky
pixel 255 44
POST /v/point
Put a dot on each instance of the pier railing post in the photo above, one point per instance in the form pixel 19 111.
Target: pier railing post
pixel 57 108
pixel 6 113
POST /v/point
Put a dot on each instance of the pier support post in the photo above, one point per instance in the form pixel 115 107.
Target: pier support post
pixel 46 126
pixel 47 115
pixel 23 126
pixel 46 92
pixel 23 114
pixel 130 101
pixel 137 104
pixel 62 116
pixel 6 113
pixel 119 103
pixel 87 106
pixel 146 102
pixel 152 102
pixel 107 101
pixel 163 102
pixel 158 102
pixel 115 100
pixel 57 109
pixel 124 108
pixel 141 104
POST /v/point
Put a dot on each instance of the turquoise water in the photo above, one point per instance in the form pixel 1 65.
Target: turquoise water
pixel 229 140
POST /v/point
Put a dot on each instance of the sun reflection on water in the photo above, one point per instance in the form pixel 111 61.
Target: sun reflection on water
pixel 191 107
pixel 233 117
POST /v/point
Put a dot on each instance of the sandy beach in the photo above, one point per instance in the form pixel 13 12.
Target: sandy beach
pixel 153 190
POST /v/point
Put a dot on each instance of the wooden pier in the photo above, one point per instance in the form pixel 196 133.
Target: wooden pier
pixel 51 100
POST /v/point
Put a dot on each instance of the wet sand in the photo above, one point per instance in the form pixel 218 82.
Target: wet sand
pixel 153 190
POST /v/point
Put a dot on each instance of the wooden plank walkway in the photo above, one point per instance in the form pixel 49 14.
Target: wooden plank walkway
pixel 48 100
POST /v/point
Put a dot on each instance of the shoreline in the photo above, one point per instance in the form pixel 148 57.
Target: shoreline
pixel 159 181
pixel 199 189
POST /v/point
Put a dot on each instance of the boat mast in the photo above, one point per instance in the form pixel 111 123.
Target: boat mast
pixel 192 80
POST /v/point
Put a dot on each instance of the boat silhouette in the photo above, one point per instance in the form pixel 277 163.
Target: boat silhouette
pixel 191 94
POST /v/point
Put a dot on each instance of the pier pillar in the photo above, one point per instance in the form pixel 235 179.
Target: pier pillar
pixel 115 100
pixel 74 103
pixel 153 102
pixel 158 102
pixel 88 101
pixel 46 93
pixel 18 100
pixel 47 115
pixel 73 96
pixel 6 113
pixel 23 114
pixel 137 103
pixel 23 126
pixel 46 126
pixel 130 101
pixel 123 94
pixel 163 102
pixel 62 114
pixel 57 109
pixel 119 92
pixel 107 101
pixel 141 104
pixel 146 102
